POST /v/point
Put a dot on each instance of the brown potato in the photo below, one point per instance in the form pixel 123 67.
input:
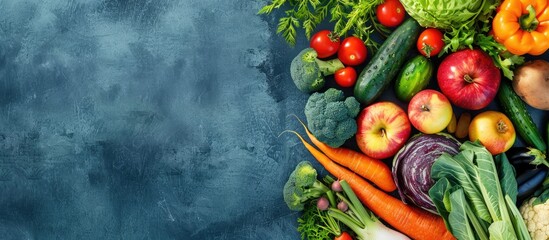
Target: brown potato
pixel 531 83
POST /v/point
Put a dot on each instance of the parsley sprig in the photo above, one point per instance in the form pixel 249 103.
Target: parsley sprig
pixel 350 17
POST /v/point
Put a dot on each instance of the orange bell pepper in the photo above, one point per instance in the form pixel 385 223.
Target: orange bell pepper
pixel 522 26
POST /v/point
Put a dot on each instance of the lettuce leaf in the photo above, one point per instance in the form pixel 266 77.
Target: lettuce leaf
pixel 445 14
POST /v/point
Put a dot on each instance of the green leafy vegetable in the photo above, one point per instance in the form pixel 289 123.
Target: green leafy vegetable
pixel 445 14
pixel 461 172
pixel 459 222
pixel 356 17
pixel 471 199
pixel 507 176
pixel 517 219
pixel 500 231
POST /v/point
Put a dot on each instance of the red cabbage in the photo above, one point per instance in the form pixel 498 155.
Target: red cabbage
pixel 412 166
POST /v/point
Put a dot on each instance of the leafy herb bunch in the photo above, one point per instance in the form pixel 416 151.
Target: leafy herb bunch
pixel 356 17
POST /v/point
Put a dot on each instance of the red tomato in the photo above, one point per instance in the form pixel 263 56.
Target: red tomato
pixel 352 51
pixel 325 43
pixel 344 236
pixel 391 13
pixel 430 42
pixel 345 77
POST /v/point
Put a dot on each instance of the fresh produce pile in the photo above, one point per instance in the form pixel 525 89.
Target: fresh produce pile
pixel 420 111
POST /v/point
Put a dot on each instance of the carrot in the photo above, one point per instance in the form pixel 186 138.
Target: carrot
pixel 370 168
pixel 414 222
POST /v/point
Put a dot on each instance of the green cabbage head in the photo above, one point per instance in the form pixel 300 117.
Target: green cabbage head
pixel 445 14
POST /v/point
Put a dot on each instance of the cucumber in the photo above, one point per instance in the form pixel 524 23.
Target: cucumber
pixel 414 77
pixel 513 106
pixel 385 63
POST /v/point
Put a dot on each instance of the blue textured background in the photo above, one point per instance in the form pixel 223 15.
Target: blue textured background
pixel 145 119
pixel 142 119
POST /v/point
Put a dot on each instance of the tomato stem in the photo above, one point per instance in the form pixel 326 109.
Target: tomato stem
pixel 528 21
pixel 427 49
pixel 502 127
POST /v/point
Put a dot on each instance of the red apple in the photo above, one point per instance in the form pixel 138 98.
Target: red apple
pixel 383 128
pixel 469 79
pixel 430 111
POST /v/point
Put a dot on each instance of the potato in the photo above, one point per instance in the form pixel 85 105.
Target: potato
pixel 531 83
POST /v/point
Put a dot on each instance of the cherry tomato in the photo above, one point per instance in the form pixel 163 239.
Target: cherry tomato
pixel 430 42
pixel 344 236
pixel 352 51
pixel 325 43
pixel 390 13
pixel 345 77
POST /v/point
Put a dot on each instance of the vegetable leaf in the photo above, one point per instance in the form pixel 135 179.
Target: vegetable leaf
pixel 460 171
pixel 488 178
pixel 517 220
pixel 350 17
pixel 269 8
pixel 474 170
pixel 500 230
pixel 286 26
pixel 310 222
pixel 440 193
pixel 459 222
pixel 542 198
pixel 507 174
pixel 467 37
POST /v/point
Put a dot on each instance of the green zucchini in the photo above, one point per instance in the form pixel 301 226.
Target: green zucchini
pixel 414 77
pixel 386 62
pixel 513 106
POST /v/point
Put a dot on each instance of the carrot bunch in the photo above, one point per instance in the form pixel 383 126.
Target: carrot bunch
pixel 353 167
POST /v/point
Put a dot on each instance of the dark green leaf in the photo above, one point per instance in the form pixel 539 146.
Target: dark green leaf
pixel 459 222
pixel 460 171
pixel 438 193
pixel 516 219
pixel 507 176
pixel 542 198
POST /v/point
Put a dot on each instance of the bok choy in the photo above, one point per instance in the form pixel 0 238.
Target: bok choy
pixel 475 196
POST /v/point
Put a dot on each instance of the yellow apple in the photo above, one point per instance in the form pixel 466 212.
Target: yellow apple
pixel 494 130
pixel 430 111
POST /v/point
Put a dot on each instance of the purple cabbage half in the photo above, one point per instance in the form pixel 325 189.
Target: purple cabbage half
pixel 412 166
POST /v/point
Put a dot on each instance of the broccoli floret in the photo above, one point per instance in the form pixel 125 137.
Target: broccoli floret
pixel 334 95
pixel 336 111
pixel 308 71
pixel 302 186
pixel 331 116
pixel 353 106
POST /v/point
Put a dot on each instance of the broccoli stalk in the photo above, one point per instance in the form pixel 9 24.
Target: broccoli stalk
pixel 303 186
pixel 361 221
pixel 308 72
